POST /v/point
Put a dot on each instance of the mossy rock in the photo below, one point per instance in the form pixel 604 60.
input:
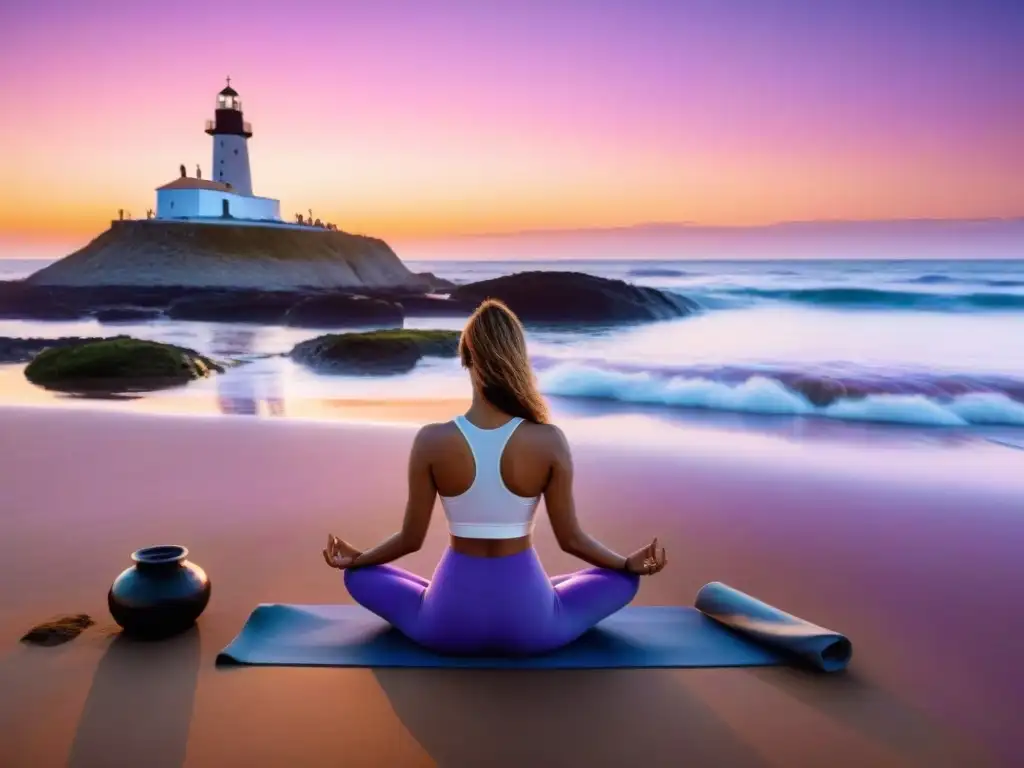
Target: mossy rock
pixel 375 352
pixel 121 364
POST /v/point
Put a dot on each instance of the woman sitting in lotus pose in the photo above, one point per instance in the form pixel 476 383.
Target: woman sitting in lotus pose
pixel 489 593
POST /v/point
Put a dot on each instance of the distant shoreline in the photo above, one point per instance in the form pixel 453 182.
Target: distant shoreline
pixel 434 259
pixel 777 226
pixel 944 236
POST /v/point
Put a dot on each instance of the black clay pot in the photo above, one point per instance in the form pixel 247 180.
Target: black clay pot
pixel 161 595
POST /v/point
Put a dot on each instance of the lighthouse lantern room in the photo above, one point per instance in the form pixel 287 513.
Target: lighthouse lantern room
pixel 230 142
pixel 227 194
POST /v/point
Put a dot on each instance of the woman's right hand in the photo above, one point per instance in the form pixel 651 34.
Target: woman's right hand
pixel 647 561
pixel 339 554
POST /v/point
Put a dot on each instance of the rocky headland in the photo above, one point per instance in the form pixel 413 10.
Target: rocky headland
pixel 139 271
pixel 234 256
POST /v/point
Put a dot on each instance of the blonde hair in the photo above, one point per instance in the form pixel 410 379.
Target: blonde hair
pixel 493 348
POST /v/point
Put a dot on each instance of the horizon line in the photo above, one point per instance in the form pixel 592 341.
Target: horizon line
pixel 693 225
pixel 642 227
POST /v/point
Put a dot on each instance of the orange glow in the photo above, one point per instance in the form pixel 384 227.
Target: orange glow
pixel 440 133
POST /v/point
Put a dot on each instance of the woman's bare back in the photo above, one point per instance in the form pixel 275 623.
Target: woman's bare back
pixel 526 465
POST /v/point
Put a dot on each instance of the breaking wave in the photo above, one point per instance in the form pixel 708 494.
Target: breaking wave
pixel 932 279
pixel 929 400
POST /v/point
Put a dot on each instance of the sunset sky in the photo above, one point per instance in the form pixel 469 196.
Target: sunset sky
pixel 422 119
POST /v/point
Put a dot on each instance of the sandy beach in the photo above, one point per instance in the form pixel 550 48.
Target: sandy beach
pixel 913 552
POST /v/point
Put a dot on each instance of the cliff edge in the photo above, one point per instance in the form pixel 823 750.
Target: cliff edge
pixel 189 254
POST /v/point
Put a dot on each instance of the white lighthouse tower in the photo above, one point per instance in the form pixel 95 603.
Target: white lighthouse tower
pixel 226 196
pixel 230 143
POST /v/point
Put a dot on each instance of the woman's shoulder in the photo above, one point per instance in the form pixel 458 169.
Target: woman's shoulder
pixel 543 436
pixel 438 432
pixel 547 429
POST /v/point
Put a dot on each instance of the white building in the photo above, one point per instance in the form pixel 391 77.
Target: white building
pixel 188 198
pixel 229 193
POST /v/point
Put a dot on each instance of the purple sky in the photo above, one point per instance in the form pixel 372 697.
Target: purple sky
pixel 438 118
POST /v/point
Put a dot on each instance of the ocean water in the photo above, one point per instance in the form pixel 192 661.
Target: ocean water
pixel 928 343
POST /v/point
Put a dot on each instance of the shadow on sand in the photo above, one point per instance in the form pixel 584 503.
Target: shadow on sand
pixel 877 714
pixel 607 717
pixel 139 707
pixel 622 717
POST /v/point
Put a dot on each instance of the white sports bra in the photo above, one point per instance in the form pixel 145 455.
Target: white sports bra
pixel 488 510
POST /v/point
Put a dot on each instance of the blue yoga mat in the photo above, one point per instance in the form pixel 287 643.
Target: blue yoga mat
pixel 726 628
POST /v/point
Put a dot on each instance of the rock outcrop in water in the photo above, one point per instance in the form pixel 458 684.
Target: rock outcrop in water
pixel 113 315
pixel 537 297
pixel 334 310
pixel 120 364
pixel 170 253
pixel 374 352
pixel 574 297
pixel 240 306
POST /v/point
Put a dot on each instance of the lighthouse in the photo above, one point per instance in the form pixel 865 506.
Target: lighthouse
pixel 230 142
pixel 226 195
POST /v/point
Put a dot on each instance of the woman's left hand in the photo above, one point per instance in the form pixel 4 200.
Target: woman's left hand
pixel 339 554
pixel 647 561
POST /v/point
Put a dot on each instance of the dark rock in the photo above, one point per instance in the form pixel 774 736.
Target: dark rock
pixel 59 630
pixel 435 306
pixel 374 352
pixel 567 297
pixel 120 364
pixel 14 350
pixel 111 303
pixel 21 300
pixel 126 303
pixel 156 297
pixel 435 283
pixel 820 390
pixel 267 307
pixel 331 310
pixel 127 314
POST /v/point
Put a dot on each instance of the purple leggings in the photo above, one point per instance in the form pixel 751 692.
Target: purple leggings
pixel 498 605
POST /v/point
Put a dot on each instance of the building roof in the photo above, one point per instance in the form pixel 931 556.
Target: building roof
pixel 229 91
pixel 187 182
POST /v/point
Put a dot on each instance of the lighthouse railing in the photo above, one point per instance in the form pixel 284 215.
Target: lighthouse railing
pixel 246 127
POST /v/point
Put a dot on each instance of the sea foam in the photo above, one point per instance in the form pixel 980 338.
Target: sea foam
pixel 765 395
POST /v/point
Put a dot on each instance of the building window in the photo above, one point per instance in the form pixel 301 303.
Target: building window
pixel 236 151
pixel 222 161
pixel 172 203
pixel 222 142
